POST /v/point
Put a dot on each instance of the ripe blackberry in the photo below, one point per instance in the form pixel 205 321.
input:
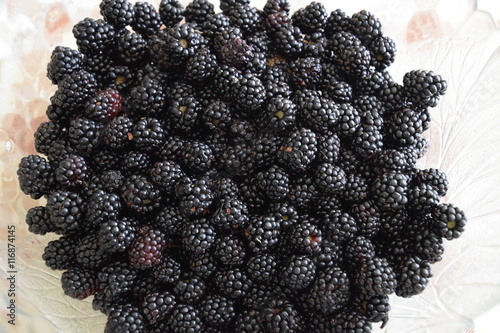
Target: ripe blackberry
pixel 356 188
pixel 171 12
pixel 368 141
pixel 305 72
pixel 298 272
pixel 280 316
pixel 375 309
pixel 198 236
pixel 433 177
pixel 89 253
pixel 390 190
pixel 72 172
pixel 261 267
pixel 196 198
pixel 337 21
pixel 449 220
pixel 60 253
pixel 104 106
pixel 156 306
pixel 396 159
pixel 215 23
pixel 403 126
pixel 101 207
pixel 354 61
pixel 315 45
pixel 391 94
pixel 148 134
pixel 117 235
pixel 119 13
pixel 376 277
pixel 248 92
pixel 367 216
pixel 339 227
pixel 115 280
pixel 383 52
pixel 131 48
pixel 289 41
pixel 190 288
pixel 140 194
pixel 413 275
pixel 46 134
pixel 273 182
pixel 330 178
pixel 125 318
pixel 135 161
pixel 275 6
pixel 285 214
pixel 423 87
pixel 34 174
pixel 184 114
pixel 305 237
pixel 197 157
pixel 63 61
pixel 359 250
pixel 428 245
pixel 246 17
pixel 217 311
pixel 216 116
pixel 365 25
pixel 94 36
pixel 84 135
pixel 79 283
pixel 146 250
pixel 422 198
pixel 147 20
pixel 65 210
pixel 317 113
pixel 329 292
pixel 312 18
pixel 39 222
pixel 166 174
pixel 197 11
pixel 182 42
pixel 74 89
pixel 350 322
pixel 230 213
pixel 201 67
pixel 185 319
pixel 168 271
pixel 262 233
pixel 236 52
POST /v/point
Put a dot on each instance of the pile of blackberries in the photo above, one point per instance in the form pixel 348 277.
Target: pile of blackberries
pixel 251 170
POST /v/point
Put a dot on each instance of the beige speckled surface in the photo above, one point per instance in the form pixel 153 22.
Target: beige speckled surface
pixel 454 38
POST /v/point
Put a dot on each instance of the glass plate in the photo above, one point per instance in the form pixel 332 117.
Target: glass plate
pixel 453 38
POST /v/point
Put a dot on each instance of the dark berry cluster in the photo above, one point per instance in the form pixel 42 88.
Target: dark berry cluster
pixel 238 171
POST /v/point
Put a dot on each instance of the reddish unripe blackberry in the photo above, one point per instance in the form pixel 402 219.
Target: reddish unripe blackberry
pixel 146 250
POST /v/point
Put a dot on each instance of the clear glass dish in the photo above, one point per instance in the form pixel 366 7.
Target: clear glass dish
pixel 453 38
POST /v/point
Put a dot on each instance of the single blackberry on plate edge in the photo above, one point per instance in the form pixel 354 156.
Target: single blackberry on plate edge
pixel 449 220
pixel 424 87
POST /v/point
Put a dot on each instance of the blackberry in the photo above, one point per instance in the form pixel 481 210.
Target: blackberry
pixel 435 178
pixel 185 319
pixel 281 316
pixel 125 318
pixel 365 25
pixel 148 134
pixel 403 126
pixel 359 250
pixel 428 245
pixel 276 6
pixel 65 210
pixel 117 235
pixel 248 92
pixel 262 233
pixel 305 72
pixel 354 61
pixel 305 237
pixel 79 283
pixel 39 222
pixel 262 267
pixel 119 13
pixel 356 188
pixel 449 220
pixel 349 120
pixel 156 306
pixel 312 18
pixel 34 174
pixel 102 206
pixel 182 42
pixel 232 282
pixel 376 278
pixel 215 23
pixel 104 106
pixel 273 182
pixel 368 141
pixel 201 66
pixel 146 250
pixel 94 36
pixel 423 87
pixel 168 271
pixel 135 161
pixel 246 18
pixel 203 265
pixel 277 20
pixel 339 227
pixel 197 199
pixel 318 113
pixel 131 48
pixel 289 41
pixel 367 216
pixel 89 253
pixel 74 89
pixel 329 292
pixel 330 178
pixel 190 288
pixel 84 135
pixel 390 190
pixel 147 20
pixel 236 52
pixel 197 157
pixel 184 114
pixel 337 21
pixel 46 134
pixel 197 11
pixel 350 322
pixel 140 194
pixel 166 174
pixel 383 52
pixel 217 116
pixel 315 45
pixel 225 77
pixel 230 213
pixel 116 280
pixel 422 198
pixel 63 61
pixel 198 236
pixel 171 12
pixel 285 214
pixel 217 311
pixel 72 172
pixel 279 114
pixel 413 275
pixel 375 309
pixel 298 272
pixel 59 254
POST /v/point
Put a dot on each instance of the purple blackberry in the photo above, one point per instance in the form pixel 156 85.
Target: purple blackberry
pixel 146 250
